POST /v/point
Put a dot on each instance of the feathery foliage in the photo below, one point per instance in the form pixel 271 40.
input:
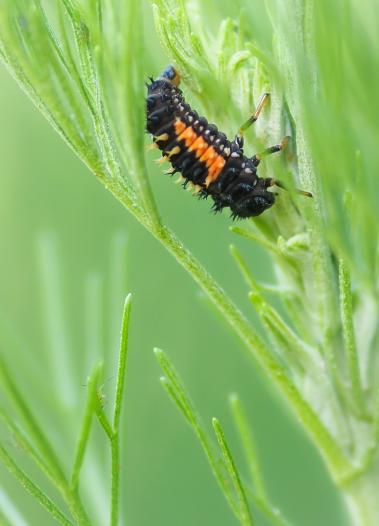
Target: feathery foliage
pixel 81 63
pixel 31 437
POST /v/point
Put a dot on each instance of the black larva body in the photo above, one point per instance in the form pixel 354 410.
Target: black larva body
pixel 202 154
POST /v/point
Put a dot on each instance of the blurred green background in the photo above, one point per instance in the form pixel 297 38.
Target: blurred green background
pixel 59 226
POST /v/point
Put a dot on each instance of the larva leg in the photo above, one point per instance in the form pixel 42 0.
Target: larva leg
pixel 274 182
pixel 239 139
pixel 273 149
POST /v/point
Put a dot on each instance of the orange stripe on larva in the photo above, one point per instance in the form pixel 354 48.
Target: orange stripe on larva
pixel 179 126
pixel 199 147
pixel 214 170
pixel 189 136
pixel 205 153
pixel 209 156
pixel 184 133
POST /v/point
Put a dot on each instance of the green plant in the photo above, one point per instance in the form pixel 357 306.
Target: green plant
pixel 30 436
pixel 81 64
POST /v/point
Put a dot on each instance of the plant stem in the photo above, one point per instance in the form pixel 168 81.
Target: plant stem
pixel 31 488
pixel 249 446
pixel 115 454
pixel 176 390
pixel 245 515
pixel 346 302
pixel 361 497
pixel 120 387
pixel 337 461
pixel 51 461
pixel 86 428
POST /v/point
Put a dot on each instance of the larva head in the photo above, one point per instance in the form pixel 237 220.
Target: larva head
pixel 251 198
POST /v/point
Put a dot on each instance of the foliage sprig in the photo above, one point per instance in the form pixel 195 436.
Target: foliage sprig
pixel 81 63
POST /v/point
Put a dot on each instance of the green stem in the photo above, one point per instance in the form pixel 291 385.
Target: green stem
pixel 120 387
pixel 176 390
pixel 51 461
pixel 31 488
pixel 115 492
pixel 334 456
pixel 248 234
pixel 86 427
pixel 244 511
pixel 346 303
pixel 31 423
pixel 361 497
pixel 24 443
pixel 249 447
pixel 104 422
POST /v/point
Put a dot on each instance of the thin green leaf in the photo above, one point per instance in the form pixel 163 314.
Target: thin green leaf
pixel 295 349
pixel 244 511
pixel 43 445
pixel 132 105
pixel 48 107
pixel 371 452
pixel 31 423
pixel 32 489
pixel 122 363
pixel 23 442
pixel 82 442
pixel 178 394
pixel 64 74
pixel 248 234
pixel 252 284
pixel 90 77
pixel 104 422
pixel 120 387
pixel 249 446
pixel 259 496
pixel 346 305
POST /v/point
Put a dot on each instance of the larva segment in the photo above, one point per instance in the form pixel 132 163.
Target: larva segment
pixel 189 136
pixel 215 170
pixel 199 147
pixel 209 156
pixel 179 126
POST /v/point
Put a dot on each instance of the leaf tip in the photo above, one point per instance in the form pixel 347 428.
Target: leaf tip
pixel 233 399
pixel 159 354
pixel 163 380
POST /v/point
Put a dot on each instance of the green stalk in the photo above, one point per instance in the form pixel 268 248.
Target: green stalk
pixel 120 388
pixel 82 442
pixel 101 83
pixel 175 389
pixel 113 430
pixel 245 516
pixel 361 497
pixel 348 331
pixel 51 461
pixel 336 459
pixel 32 489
